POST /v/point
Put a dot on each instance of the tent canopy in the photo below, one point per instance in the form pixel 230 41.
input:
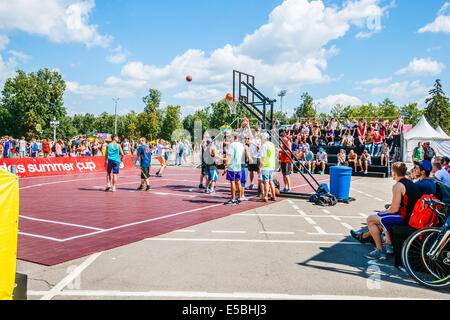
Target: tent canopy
pixel 423 130
pixel 442 132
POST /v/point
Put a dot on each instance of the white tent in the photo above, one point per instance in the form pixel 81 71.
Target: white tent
pixel 442 132
pixel 424 132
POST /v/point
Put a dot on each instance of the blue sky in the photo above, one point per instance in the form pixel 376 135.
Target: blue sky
pixel 347 52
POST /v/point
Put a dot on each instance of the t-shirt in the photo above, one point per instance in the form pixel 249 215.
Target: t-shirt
pixel 145 156
pixel 236 150
pixel 443 176
pixel 254 151
pixel 426 186
pixel 268 152
pixel 283 157
pixel 22 146
pixel 418 153
pixel 6 147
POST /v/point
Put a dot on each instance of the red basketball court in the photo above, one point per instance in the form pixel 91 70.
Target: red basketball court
pixel 67 217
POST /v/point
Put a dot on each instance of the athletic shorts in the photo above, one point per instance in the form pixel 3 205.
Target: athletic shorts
pixel 205 170
pixel 113 166
pixel 388 220
pixel 267 174
pixel 254 167
pixel 233 175
pixel 286 168
pixel 162 160
pixel 213 175
pixel 244 176
pixel 145 172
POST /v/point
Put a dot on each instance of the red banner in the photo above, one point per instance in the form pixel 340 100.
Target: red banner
pixel 32 167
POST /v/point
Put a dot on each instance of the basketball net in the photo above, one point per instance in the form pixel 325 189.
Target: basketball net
pixel 232 104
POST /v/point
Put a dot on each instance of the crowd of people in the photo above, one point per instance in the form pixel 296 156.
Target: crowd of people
pixel 86 146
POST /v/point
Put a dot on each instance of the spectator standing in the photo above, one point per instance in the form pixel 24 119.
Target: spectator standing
pixel 418 153
pixel 46 148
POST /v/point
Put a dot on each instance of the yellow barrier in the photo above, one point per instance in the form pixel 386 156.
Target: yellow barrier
pixel 9 222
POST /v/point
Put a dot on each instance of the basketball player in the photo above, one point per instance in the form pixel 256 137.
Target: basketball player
pixel 113 158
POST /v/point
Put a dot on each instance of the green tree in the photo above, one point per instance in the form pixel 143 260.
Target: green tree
pixel 306 109
pixel 437 110
pixel 85 123
pixel 171 122
pixel 387 108
pixel 33 98
pixel 152 101
pixel 411 113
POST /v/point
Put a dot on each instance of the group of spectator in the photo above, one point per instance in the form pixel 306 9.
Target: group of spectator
pixel 85 146
pixel 347 133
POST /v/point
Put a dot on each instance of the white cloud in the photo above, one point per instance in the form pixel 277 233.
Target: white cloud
pixel 62 21
pixel 441 23
pixel 90 92
pixel 402 90
pixel 342 99
pixel 425 66
pixel 20 55
pixel 374 81
pixel 7 69
pixel 118 55
pixel 291 49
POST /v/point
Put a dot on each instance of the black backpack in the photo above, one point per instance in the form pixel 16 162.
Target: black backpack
pixel 429 153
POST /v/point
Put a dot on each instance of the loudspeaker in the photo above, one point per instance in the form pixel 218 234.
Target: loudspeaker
pixel 397 141
pixel 20 287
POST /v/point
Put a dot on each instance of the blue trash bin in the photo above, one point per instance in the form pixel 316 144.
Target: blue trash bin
pixel 340 179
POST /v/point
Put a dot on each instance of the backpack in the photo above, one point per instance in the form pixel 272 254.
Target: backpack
pixel 429 153
pixel 323 197
pixel 422 215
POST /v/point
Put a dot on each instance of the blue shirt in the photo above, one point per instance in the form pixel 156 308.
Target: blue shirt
pixel 6 147
pixel 145 156
pixel 426 186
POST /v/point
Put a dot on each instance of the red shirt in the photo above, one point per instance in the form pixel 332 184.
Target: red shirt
pixel 283 157
pixel 46 147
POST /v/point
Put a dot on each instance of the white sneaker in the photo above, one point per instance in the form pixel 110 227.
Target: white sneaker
pixel 243 199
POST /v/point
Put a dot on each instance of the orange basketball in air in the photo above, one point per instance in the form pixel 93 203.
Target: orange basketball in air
pixel 189 78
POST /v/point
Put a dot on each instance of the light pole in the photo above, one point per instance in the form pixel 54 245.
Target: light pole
pixel 115 114
pixel 281 95
pixel 54 124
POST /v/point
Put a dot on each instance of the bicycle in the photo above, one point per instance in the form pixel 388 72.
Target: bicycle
pixel 426 252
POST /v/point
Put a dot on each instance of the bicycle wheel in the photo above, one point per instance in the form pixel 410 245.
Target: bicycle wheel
pixel 432 273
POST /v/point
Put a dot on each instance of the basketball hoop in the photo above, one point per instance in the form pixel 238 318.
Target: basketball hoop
pixel 232 103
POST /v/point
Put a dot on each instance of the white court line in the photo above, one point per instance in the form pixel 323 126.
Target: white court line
pixel 255 241
pixel 363 215
pixel 300 212
pixel 276 232
pixel 347 225
pixel 207 295
pixel 63 181
pixel 184 231
pixel 39 236
pixel 381 200
pixel 295 207
pixel 124 226
pixel 319 230
pixel 227 231
pixel 336 218
pixel 368 195
pixel 309 220
pixel 301 215
pixel 62 223
pixel 70 277
pixel 326 211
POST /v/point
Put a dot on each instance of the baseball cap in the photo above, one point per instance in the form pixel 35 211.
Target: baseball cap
pixel 265 136
pixel 446 159
pixel 424 164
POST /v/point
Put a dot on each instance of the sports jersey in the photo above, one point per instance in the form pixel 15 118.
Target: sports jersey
pixel 145 156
